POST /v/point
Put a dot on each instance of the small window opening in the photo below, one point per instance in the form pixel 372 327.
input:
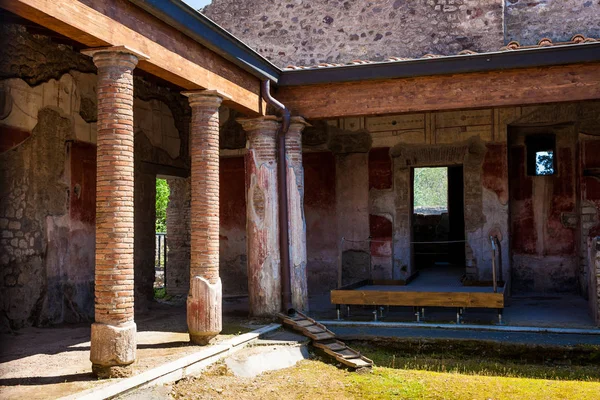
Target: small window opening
pixel 430 191
pixel 541 159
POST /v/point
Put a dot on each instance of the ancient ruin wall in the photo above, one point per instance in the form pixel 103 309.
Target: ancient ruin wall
pixel 47 184
pixel 529 21
pixel 44 277
pixel 304 32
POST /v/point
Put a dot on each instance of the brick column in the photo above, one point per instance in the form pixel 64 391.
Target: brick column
pixel 296 220
pixel 113 343
pixel 204 311
pixel 262 224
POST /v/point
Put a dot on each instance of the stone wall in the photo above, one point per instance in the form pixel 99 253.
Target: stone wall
pixel 178 236
pixel 46 255
pixel 529 21
pixel 553 216
pixel 47 177
pixel 304 32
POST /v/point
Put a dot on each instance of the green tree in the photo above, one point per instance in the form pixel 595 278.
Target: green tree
pixel 431 187
pixel 162 200
pixel 544 163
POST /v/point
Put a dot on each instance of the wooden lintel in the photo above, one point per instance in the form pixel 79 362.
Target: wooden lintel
pixel 575 82
pixel 188 65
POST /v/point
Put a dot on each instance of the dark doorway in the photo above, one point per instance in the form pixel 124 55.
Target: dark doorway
pixel 438 223
pixel 456 216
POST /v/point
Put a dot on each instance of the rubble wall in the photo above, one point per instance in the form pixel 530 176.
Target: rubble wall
pixel 529 21
pixel 304 32
pixel 307 32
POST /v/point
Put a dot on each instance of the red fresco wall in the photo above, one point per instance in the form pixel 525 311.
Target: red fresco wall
pixel 321 221
pixel 380 168
pixel 232 230
pixel 590 185
pixel 559 238
pixel 83 182
pixel 232 193
pixel 380 227
pixel 11 137
pixel 523 234
pixel 544 223
pixel 381 233
pixel 495 165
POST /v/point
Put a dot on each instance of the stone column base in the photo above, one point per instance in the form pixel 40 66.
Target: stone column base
pixel 204 310
pixel 112 351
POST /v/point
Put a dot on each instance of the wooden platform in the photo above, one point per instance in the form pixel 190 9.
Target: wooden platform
pixel 389 293
pixel 325 340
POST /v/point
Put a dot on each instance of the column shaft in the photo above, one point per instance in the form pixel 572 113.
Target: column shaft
pixel 204 310
pixel 296 219
pixel 113 344
pixel 262 225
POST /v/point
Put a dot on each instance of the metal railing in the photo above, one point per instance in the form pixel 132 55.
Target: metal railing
pixel 495 242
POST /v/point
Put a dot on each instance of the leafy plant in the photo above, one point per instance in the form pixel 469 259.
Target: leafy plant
pixel 431 188
pixel 162 200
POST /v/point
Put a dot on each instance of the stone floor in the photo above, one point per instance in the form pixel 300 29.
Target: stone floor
pixel 38 363
pixel 46 363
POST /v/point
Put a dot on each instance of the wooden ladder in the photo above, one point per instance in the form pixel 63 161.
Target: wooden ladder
pixel 325 340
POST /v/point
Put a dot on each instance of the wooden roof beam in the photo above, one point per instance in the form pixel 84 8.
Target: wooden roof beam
pixel 574 82
pixel 179 66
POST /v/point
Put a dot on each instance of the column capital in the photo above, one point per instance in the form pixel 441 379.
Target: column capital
pixel 267 123
pixel 297 120
pixel 206 97
pixel 109 55
pixel 297 125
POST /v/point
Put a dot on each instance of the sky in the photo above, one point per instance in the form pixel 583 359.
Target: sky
pixel 196 4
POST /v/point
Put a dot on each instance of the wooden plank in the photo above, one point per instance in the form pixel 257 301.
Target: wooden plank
pixel 348 353
pixel 313 329
pixel 538 85
pixel 337 346
pixel 178 60
pixel 418 299
pixel 358 363
pixel 320 336
pixel 304 323
pixel 324 339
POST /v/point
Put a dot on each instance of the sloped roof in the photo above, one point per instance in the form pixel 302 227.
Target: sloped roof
pixel 545 42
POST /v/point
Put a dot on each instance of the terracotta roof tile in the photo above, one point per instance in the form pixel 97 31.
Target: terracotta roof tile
pixel 514 45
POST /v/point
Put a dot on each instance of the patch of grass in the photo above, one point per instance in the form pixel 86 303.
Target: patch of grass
pixel 314 379
pixel 161 293
pixel 382 384
pixel 387 383
pixel 481 363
